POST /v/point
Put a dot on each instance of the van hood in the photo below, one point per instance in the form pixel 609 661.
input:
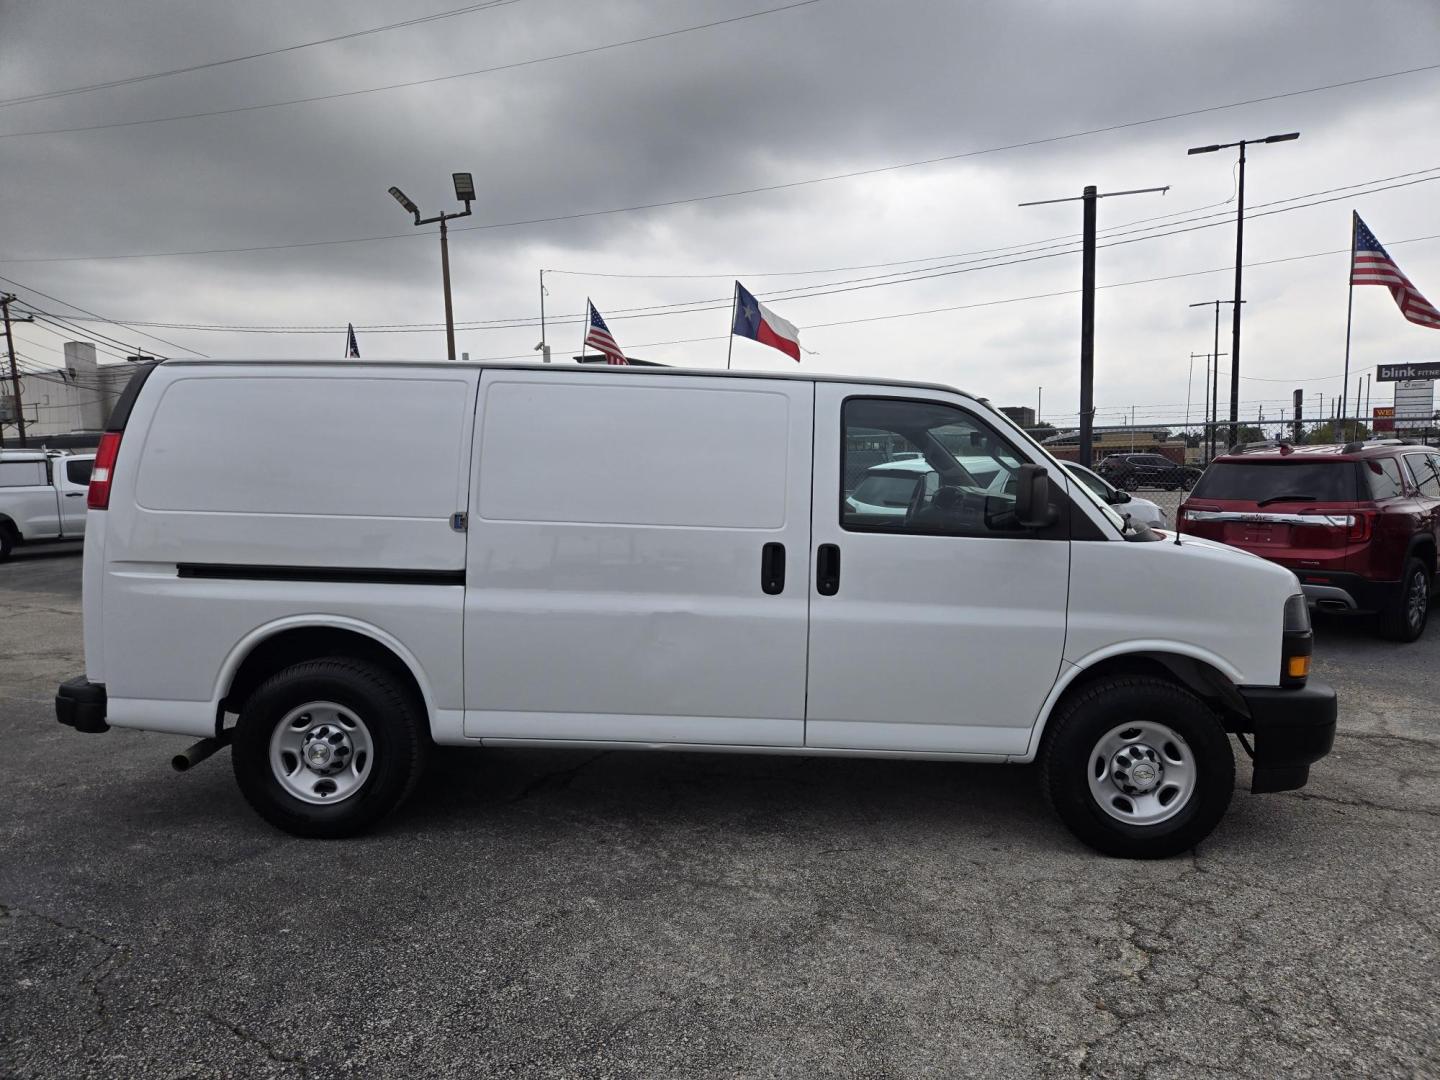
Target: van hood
pixel 1200 598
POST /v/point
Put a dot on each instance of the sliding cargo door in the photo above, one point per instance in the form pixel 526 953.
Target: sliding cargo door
pixel 638 558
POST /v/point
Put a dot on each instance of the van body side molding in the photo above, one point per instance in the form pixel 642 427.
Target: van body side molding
pixel 350 575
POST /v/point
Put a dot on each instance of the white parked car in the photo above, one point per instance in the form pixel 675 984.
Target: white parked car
pixel 630 558
pixel 42 497
pixel 892 487
pixel 1128 505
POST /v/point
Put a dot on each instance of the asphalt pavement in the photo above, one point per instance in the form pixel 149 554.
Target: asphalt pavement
pixel 560 914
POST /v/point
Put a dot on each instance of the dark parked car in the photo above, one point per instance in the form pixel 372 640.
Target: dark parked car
pixel 1131 471
pixel 1358 524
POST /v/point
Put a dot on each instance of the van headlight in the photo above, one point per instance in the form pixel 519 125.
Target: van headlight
pixel 1297 642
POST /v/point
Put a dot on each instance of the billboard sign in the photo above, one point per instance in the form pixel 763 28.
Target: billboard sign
pixel 1414 404
pixel 1383 418
pixel 1401 372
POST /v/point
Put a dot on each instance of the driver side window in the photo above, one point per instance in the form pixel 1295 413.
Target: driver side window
pixel 924 468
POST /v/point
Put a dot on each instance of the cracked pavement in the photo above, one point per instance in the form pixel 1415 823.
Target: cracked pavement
pixel 570 914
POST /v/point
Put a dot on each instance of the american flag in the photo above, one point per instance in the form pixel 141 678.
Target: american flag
pixel 352 347
pixel 598 334
pixel 1372 266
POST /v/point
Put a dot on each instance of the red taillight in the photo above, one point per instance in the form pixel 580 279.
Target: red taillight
pixel 1360 523
pixel 98 497
pixel 1357 524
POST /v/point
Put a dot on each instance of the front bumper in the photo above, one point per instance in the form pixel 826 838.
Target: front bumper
pixel 80 703
pixel 1293 728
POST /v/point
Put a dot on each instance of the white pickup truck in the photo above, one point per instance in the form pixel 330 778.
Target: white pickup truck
pixel 42 497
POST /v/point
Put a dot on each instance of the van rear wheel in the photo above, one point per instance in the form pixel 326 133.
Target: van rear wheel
pixel 328 747
pixel 1137 767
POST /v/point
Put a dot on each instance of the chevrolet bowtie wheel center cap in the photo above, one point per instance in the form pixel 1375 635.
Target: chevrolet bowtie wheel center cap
pixel 1137 769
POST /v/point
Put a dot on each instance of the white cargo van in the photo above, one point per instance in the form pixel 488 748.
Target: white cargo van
pixel 328 566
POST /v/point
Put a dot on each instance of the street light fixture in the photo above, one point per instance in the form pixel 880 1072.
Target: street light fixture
pixel 404 200
pixel 464 192
pixel 1239 258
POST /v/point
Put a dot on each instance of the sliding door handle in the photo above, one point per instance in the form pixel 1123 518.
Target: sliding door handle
pixel 772 569
pixel 827 570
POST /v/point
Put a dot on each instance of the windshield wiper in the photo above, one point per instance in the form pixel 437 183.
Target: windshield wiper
pixel 1293 496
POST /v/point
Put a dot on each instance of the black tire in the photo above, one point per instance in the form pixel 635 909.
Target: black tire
pixel 1401 620
pixel 7 542
pixel 392 722
pixel 1076 731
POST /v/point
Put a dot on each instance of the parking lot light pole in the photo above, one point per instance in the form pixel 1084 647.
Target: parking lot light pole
pixel 464 192
pixel 1239 259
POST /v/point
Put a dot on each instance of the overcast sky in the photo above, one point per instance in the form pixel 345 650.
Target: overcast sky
pixel 825 88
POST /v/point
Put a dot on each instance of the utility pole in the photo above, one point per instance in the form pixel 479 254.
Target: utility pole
pixel 5 301
pixel 1039 396
pixel 1239 260
pixel 1087 308
pixel 1215 386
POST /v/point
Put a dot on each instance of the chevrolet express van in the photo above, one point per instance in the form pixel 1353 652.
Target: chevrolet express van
pixel 330 567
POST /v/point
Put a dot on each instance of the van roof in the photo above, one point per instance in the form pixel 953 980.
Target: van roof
pixel 600 371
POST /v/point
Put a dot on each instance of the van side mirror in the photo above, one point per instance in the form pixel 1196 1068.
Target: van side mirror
pixel 1032 498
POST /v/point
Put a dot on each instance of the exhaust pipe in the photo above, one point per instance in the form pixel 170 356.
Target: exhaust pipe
pixel 195 753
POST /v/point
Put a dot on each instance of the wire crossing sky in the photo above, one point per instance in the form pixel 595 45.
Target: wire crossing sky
pixel 217 174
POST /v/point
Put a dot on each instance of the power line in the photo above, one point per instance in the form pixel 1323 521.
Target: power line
pixel 130 80
pixel 727 194
pixel 102 342
pixel 1022 299
pixel 1110 231
pixel 417 82
pixel 112 322
pixel 1035 253
pixel 996 302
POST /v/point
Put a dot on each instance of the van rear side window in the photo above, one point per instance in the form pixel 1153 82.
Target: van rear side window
pixel 634 455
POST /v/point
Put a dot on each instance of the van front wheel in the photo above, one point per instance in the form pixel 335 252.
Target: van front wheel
pixel 328 747
pixel 1137 767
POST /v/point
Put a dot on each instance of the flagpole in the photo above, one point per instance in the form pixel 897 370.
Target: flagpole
pixel 730 338
pixel 585 329
pixel 1349 311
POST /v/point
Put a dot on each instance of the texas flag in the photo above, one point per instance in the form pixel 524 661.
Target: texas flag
pixel 757 322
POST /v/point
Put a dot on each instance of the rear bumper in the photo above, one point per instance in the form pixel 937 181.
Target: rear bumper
pixel 80 704
pixel 1293 728
pixel 1345 592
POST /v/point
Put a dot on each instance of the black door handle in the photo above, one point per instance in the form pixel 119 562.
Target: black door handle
pixel 772 568
pixel 827 570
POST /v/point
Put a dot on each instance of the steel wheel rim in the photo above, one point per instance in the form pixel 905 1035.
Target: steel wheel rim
pixel 321 753
pixel 1417 601
pixel 1142 772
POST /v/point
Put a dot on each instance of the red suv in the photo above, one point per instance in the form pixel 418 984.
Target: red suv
pixel 1358 523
